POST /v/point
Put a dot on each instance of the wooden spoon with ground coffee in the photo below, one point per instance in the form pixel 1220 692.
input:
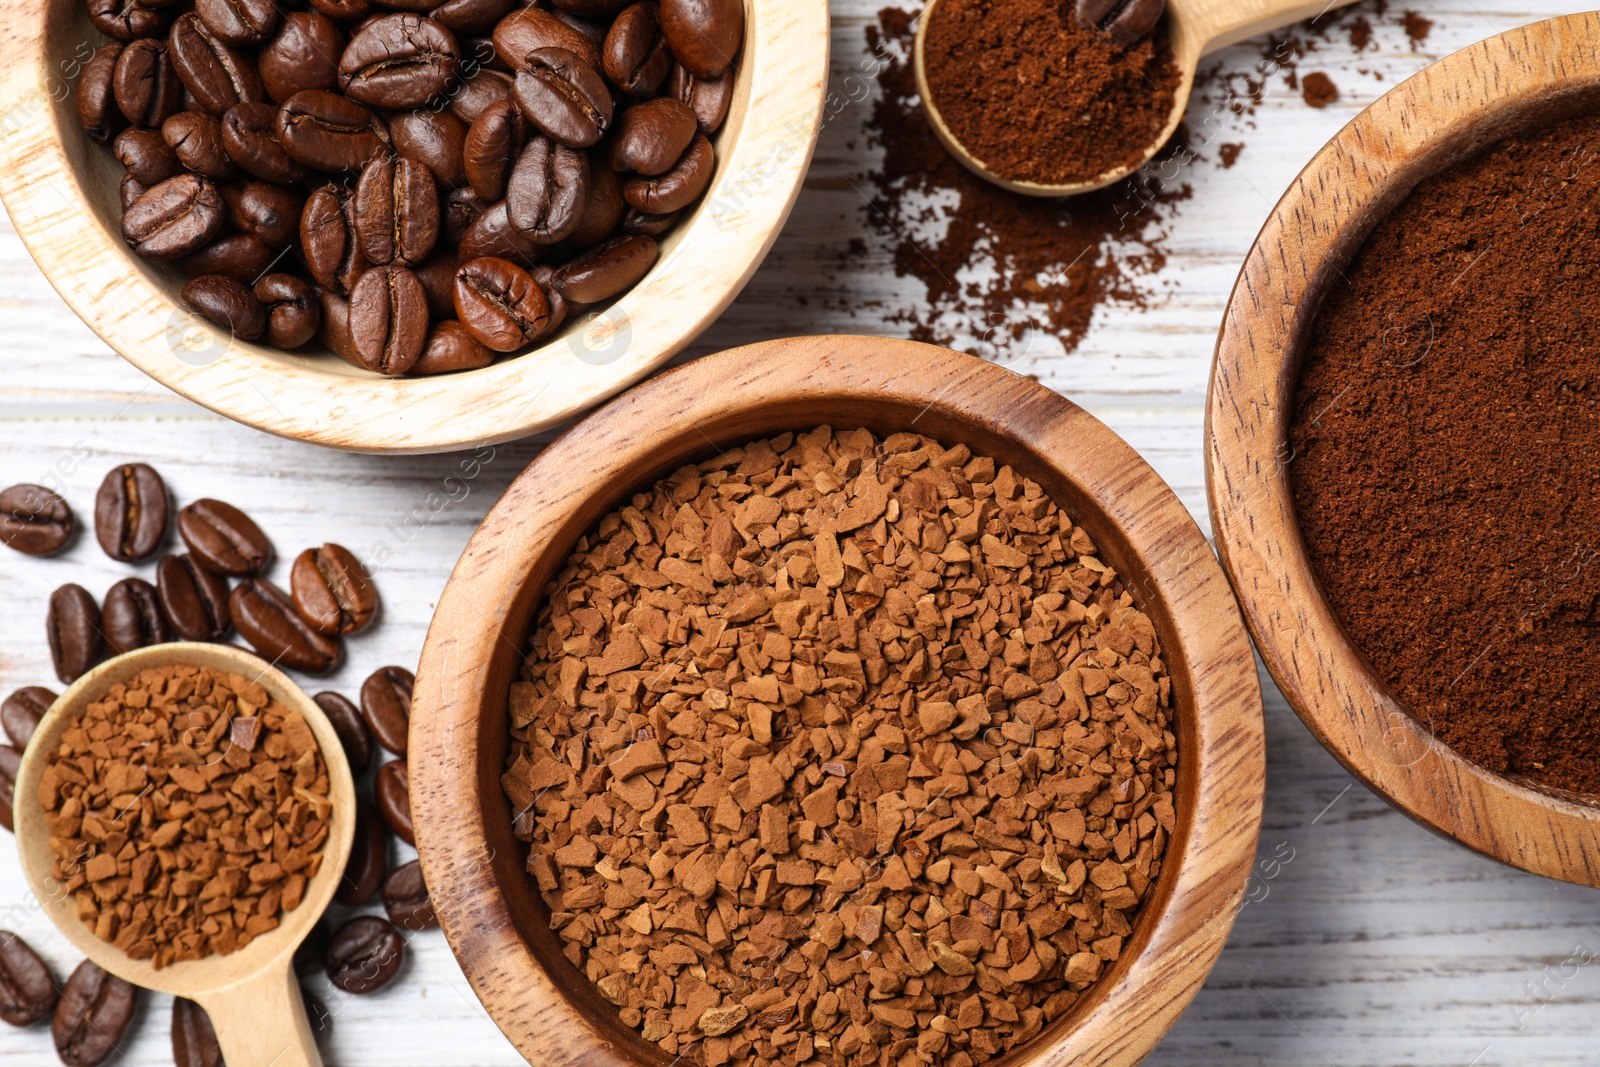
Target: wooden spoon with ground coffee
pixel 1048 98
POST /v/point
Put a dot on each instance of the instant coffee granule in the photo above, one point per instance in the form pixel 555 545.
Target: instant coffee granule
pixel 187 810
pixel 839 750
pixel 1446 429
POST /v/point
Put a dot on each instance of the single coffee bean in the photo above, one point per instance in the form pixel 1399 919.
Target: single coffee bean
pixel 564 97
pixel 544 276
pixel 470 16
pixel 239 23
pixel 93 1016
pixel 678 187
pixel 343 10
pixel 405 898
pixel 438 278
pixel 302 54
pixel 10 767
pixel 227 303
pixel 217 76
pixel 354 737
pixel 270 212
pixel 652 136
pixel 636 56
pixel 328 239
pixel 27 988
pixel 146 155
pixel 224 539
pixel 250 139
pixel 97 101
pixel 196 139
pixel 335 329
pixel 34 521
pixel 435 139
pixel 1123 22
pixel 195 600
pixel 74 628
pixel 265 616
pixel 130 512
pixel 530 28
pixel 145 84
pixel 329 132
pixel 479 91
pixel 604 271
pixel 174 218
pixel 21 712
pixel 450 348
pixel 708 98
pixel 130 191
pixel 399 61
pixel 704 34
pixel 132 616
pixel 393 788
pixel 492 146
pixel 388 319
pixel 602 209
pixel 194 1042
pixel 492 234
pixel 365 954
pixel 240 256
pixel 369 858
pixel 126 20
pixel 293 313
pixel 397 211
pixel 386 705
pixel 547 191
pixel 332 590
pixel 500 304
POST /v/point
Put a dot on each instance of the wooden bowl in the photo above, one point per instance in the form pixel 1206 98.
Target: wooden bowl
pixel 1451 110
pixel 489 906
pixel 252 995
pixel 61 191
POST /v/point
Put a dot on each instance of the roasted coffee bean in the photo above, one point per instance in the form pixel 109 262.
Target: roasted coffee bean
pixel 636 56
pixel 1123 22
pixel 604 271
pixel 227 303
pixel 194 599
pixel 354 737
pixel 270 212
pixel 493 235
pixel 499 304
pixel 27 988
pixel 589 9
pixel 196 139
pixel 386 705
pixel 365 954
pixel 493 144
pixel 10 767
pixel 397 211
pixel 547 191
pixel 526 30
pixel 97 100
pixel 704 34
pixel 74 628
pixel 239 256
pixel 479 91
pixel 593 29
pixel 438 278
pixel 332 590
pixel 293 313
pixel 130 512
pixel 335 329
pixel 34 521
pixel 369 858
pixel 678 187
pixel 564 97
pixel 405 898
pixel 303 54
pixel 132 616
pixel 179 216
pixel 450 348
pixel 645 224
pixel 388 319
pixel 223 539
pixel 194 1042
pixel 708 98
pixel 602 209
pixel 393 788
pixel 652 136
pixel 130 191
pixel 435 139
pixel 470 16
pixel 216 75
pixel 399 61
pixel 461 208
pixel 93 1016
pixel 146 155
pixel 545 276
pixel 238 22
pixel 328 239
pixel 250 138
pixel 126 20
pixel 329 132
pixel 265 616
pixel 21 711
pixel 344 10
pixel 145 84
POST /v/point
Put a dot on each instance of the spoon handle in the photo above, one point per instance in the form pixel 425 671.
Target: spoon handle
pixel 1219 23
pixel 261 1021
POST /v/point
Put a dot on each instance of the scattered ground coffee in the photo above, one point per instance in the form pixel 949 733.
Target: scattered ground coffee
pixel 1445 431
pixel 845 751
pixel 1318 90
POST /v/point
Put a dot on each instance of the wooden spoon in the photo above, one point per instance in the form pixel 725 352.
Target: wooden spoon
pixel 1196 28
pixel 251 995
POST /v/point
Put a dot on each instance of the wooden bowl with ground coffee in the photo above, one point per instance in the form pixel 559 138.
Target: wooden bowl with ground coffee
pixel 1402 432
pixel 834 698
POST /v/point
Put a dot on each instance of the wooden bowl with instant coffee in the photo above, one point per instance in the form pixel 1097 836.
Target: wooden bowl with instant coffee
pixel 1378 480
pixel 734 413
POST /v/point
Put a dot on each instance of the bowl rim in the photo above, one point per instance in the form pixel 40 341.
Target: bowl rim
pixel 1445 112
pixel 733 395
pixel 320 398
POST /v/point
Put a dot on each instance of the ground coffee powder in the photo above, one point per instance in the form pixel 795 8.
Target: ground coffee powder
pixel 1446 431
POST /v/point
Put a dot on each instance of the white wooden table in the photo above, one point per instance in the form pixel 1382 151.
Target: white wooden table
pixel 1370 941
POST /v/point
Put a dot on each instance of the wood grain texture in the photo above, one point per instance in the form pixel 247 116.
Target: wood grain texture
pixel 488 904
pixel 61 193
pixel 1527 76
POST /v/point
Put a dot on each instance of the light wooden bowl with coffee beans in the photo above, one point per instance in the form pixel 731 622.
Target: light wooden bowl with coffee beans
pixel 387 229
pixel 783 443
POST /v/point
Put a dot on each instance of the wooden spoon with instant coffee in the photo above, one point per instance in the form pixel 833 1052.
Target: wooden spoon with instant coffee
pixel 1194 28
pixel 252 994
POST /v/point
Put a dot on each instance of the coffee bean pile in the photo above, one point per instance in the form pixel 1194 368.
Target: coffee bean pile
pixel 421 184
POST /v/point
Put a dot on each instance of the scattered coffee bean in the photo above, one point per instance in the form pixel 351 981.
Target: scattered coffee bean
pixel 10 767
pixel 194 599
pixel 1123 22
pixel 564 97
pixel 27 988
pixel 132 616
pixel 194 1042
pixel 397 211
pixel 393 789
pixel 224 539
pixel 92 1016
pixel 73 627
pixel 130 512
pixel 500 304
pixel 369 858
pixel 451 347
pixel 228 304
pixel 354 737
pixel 365 954
pixel 265 616
pixel 303 54
pixel 34 521
pixel 405 898
pixel 704 34
pixel 388 319
pixel 652 136
pixel 332 590
pixel 97 102
pixel 606 270
pixel 399 61
pixel 146 87
pixel 293 313
pixel 386 705
pixel 21 712
pixel 174 218
pixel 678 187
